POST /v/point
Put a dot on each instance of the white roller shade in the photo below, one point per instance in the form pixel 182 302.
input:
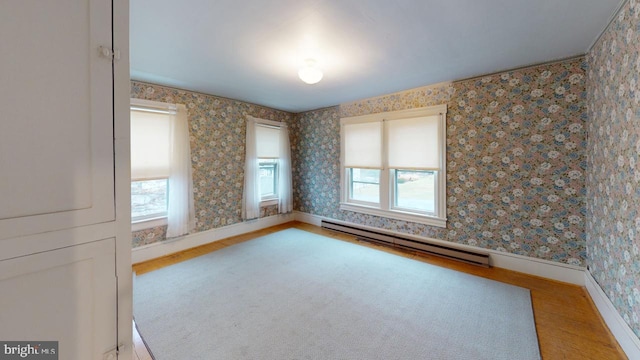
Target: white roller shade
pixel 414 143
pixel 150 145
pixel 268 142
pixel 363 145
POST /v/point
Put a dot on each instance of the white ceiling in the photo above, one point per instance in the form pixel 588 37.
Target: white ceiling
pixel 251 50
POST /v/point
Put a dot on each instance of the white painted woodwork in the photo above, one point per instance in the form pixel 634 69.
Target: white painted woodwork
pixel 65 226
pixel 122 141
pixel 56 133
pixel 66 295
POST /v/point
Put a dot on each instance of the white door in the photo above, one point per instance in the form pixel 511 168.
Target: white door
pixel 58 224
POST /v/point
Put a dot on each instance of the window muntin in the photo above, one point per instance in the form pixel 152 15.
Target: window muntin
pixel 408 148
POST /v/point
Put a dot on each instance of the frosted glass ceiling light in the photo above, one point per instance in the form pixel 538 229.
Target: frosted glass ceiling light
pixel 310 72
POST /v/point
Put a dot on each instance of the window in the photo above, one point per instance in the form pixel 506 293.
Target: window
pixel 393 165
pixel 267 172
pixel 268 153
pixel 150 162
pixel 161 174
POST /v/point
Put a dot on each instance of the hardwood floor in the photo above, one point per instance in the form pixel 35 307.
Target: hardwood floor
pixel 567 322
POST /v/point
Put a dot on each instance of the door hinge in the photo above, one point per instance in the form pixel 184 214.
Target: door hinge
pixel 109 53
pixel 113 353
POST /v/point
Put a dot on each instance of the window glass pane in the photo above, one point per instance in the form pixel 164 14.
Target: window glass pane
pixel 149 198
pixel 415 190
pixel 365 185
pixel 268 178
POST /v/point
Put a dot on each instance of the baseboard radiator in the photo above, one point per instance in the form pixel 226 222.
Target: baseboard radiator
pixel 390 239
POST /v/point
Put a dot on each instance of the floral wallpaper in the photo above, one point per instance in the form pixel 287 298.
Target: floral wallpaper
pixel 613 167
pixel 217 129
pixel 148 236
pixel 516 158
pixel 315 159
pixel 515 161
pixel 424 96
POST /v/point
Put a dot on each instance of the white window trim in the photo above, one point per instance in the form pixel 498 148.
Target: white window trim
pixel 150 104
pixel 385 209
pixel 270 200
pixel 148 223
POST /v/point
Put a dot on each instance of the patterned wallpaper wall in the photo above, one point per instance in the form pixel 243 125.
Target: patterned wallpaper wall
pixel 613 176
pixel 515 161
pixel 217 130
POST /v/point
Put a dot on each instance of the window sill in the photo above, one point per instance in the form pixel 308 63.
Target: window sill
pixel 420 219
pixel 269 202
pixel 148 223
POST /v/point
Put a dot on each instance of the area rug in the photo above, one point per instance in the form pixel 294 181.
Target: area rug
pixel 298 295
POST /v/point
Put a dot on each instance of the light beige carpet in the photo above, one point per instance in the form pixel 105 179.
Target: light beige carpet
pixel 297 295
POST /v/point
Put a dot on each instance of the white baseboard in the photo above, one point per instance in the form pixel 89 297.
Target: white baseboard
pixel 524 264
pixel 627 339
pixel 538 267
pixel 163 248
pixel 309 218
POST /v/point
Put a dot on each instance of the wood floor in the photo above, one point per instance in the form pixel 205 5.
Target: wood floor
pixel 568 324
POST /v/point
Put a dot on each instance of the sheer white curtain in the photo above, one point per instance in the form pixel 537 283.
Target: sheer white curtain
pixel 251 194
pixel 285 189
pixel 180 208
pixel 266 144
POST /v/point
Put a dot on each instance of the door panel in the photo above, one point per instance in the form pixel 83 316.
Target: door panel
pixel 57 218
pixel 66 295
pixel 56 133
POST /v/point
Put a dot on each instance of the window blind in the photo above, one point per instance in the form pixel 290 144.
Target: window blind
pixel 268 142
pixel 150 145
pixel 363 145
pixel 413 143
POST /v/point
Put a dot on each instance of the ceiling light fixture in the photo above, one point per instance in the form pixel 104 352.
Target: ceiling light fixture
pixel 310 73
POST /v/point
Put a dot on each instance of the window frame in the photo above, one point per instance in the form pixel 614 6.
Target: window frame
pixel 154 216
pixel 393 176
pixel 385 208
pixel 271 199
pixel 275 198
pixel 349 189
